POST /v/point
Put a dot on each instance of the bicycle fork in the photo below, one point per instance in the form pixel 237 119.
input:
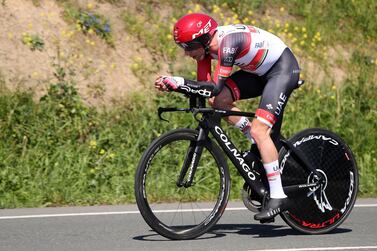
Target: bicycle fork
pixel 191 161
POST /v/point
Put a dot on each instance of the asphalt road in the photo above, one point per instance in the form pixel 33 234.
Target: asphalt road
pixel 122 228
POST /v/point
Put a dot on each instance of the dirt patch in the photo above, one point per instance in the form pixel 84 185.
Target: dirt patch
pixel 102 73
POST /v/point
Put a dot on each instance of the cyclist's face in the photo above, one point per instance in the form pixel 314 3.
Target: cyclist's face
pixel 197 54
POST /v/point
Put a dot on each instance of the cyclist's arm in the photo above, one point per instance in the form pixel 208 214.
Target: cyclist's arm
pixel 229 48
pixel 231 45
pixel 202 88
pixel 203 72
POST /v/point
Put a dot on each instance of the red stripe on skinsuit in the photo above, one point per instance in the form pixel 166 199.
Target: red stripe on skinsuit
pixel 272 174
pixel 266 115
pixel 253 64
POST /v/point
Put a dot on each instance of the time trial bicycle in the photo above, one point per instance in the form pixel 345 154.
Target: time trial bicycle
pixel 186 169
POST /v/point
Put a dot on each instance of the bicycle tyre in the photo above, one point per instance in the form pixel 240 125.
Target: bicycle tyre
pixel 328 206
pixel 155 166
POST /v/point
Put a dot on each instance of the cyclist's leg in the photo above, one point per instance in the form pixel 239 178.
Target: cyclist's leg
pixel 236 89
pixel 225 101
pixel 245 85
pixel 281 81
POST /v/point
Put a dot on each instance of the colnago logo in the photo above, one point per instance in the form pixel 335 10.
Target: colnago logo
pixel 203 30
pixel 311 137
pixel 235 153
pixel 204 93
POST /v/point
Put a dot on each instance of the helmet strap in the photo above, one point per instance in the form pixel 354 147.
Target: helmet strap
pixel 206 49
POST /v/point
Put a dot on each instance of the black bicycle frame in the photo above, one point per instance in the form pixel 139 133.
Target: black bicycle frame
pixel 209 122
pixel 245 168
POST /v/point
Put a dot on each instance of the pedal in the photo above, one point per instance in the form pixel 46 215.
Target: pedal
pixel 272 220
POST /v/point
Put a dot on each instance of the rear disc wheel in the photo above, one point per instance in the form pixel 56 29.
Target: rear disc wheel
pixel 323 208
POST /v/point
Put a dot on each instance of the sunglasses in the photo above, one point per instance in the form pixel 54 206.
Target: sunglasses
pixel 190 46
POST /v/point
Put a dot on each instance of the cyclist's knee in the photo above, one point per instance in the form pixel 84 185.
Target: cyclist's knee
pixel 223 101
pixel 259 131
pixel 211 101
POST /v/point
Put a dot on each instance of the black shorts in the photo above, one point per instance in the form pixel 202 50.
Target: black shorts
pixel 274 87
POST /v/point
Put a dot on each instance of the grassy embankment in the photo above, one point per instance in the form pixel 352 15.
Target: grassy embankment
pixel 59 151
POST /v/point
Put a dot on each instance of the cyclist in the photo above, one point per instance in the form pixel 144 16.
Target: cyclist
pixel 268 69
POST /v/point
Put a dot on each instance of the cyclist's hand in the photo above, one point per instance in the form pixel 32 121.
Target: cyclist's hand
pixel 159 85
pixel 168 83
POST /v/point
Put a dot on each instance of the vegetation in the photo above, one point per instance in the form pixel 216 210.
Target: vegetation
pixel 90 23
pixel 60 151
pixel 34 42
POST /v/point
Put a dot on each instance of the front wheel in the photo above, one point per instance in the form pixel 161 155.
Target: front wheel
pixel 176 211
pixel 323 208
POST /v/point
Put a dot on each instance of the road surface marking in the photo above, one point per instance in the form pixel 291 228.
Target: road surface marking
pixel 319 249
pixel 132 212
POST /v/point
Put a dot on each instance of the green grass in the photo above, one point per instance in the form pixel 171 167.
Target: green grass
pixel 59 151
pixel 341 20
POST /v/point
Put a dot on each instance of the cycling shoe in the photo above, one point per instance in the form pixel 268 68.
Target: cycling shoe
pixel 272 208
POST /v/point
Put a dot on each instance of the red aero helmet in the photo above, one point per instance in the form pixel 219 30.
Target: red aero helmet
pixel 194 28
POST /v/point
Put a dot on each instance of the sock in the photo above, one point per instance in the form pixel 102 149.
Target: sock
pixel 274 180
pixel 244 125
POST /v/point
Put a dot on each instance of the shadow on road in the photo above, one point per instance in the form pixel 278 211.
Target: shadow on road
pixel 266 230
pixel 253 230
pixel 157 237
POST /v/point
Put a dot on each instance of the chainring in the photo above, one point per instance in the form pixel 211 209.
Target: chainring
pixel 250 199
